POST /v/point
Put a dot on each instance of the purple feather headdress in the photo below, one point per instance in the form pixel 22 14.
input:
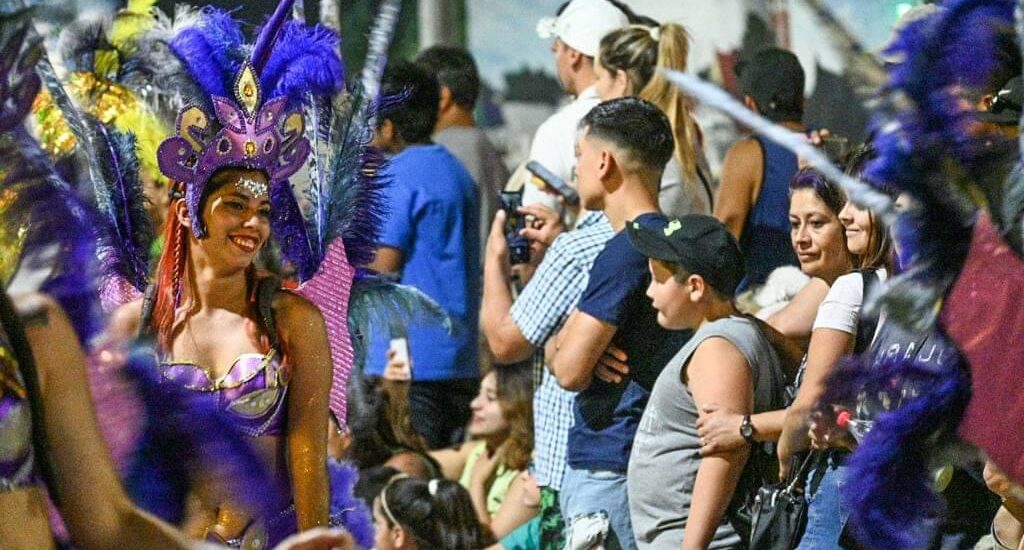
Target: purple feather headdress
pixel 261 125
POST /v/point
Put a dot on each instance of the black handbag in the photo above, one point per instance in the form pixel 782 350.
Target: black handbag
pixel 779 512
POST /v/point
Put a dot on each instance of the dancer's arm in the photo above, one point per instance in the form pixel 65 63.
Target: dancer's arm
pixel 304 336
pixel 98 512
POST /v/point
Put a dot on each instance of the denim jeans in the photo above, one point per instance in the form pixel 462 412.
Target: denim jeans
pixel 591 492
pixel 826 514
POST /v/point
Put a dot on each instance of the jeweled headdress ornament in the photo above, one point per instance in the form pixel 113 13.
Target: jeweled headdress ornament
pixel 261 127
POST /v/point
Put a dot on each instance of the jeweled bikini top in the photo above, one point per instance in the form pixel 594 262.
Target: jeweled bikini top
pixel 251 393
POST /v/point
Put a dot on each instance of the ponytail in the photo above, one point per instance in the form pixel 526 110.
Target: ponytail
pixel 171 275
pixel 673 49
pixel 642 52
pixel 436 514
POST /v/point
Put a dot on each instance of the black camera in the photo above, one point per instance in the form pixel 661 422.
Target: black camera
pixel 515 222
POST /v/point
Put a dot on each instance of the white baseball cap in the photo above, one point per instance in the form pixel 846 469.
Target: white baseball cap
pixel 583 24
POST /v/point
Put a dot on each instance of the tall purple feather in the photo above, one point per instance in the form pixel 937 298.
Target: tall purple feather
pixel 128 233
pixel 925 147
pixel 268 36
pixel 59 253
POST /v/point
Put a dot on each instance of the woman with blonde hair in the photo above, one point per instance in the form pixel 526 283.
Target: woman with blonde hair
pixel 629 63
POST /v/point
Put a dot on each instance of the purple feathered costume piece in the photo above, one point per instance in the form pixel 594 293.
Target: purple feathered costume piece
pixel 928 149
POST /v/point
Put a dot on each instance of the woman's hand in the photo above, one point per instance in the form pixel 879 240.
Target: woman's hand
pixel 318 539
pixel 485 468
pixel 719 429
pixel 825 433
pixel 397 368
pixel 531 492
pixel 612 367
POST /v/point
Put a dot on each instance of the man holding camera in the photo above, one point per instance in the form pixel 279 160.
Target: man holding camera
pixel 519 328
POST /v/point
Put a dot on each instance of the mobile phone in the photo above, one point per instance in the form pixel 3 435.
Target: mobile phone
pixel 557 184
pixel 401 348
pixel 515 222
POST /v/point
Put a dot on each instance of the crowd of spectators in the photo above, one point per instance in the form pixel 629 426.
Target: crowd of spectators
pixel 615 390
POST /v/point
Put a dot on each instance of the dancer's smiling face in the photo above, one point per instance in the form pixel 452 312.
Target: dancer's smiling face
pixel 237 218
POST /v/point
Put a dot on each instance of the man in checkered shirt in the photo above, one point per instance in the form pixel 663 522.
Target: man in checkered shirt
pixel 518 329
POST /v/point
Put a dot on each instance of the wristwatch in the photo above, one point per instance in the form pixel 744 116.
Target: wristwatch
pixel 747 429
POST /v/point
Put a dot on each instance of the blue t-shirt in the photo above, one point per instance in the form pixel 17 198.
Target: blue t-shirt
pixel 607 415
pixel 432 219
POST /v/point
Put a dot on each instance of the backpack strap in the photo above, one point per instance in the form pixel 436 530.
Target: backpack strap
pixel 866 325
pixel 266 287
pixel 145 320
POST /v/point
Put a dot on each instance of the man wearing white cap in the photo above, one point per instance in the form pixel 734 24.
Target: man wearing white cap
pixel 577 32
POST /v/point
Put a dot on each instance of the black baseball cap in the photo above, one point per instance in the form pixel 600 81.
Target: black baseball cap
pixel 698 243
pixel 775 79
pixel 1007 105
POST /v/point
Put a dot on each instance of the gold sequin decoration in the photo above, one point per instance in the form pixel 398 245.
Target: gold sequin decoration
pixel 102 99
pixel 247 90
pixel 250 148
pixel 12 237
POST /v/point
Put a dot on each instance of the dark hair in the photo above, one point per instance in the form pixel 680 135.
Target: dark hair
pixel 515 397
pixel 378 420
pixel 372 481
pixel 829 192
pixel 774 79
pixel 415 116
pixel 445 519
pixel 454 69
pixel 637 126
pixel 881 252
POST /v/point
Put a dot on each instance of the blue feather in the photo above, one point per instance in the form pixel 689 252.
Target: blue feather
pixel 348 203
pixel 377 303
pixel 889 489
pixel 353 513
pixel 289 230
pixel 212 51
pixel 304 60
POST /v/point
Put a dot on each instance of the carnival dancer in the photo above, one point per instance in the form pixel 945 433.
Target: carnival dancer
pixel 220 326
pixel 50 439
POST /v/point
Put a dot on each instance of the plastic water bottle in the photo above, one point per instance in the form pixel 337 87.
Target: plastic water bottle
pixel 859 427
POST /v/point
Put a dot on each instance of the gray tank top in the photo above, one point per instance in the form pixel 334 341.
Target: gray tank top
pixel 666 451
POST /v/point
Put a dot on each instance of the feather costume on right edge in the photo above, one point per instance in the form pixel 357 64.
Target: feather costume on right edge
pixel 962 279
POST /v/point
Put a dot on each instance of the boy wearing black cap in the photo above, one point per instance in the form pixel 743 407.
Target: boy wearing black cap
pixel 695 266
pixel 622 148
pixel 753 199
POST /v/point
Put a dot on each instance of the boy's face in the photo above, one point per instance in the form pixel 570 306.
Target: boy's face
pixel 671 298
pixel 589 164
